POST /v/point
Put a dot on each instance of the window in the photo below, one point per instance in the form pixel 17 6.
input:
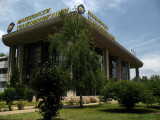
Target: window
pixel 123 71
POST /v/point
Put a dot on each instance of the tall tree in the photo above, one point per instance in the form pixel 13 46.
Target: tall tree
pixel 74 42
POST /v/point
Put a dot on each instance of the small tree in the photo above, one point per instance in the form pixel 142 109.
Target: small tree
pixel 9 95
pixel 50 86
pixel 16 83
pixel 128 93
pixel 74 42
pixel 28 94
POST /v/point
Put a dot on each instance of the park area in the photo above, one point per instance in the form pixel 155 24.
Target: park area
pixel 93 111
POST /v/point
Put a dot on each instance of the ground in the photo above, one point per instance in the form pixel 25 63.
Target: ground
pixel 110 111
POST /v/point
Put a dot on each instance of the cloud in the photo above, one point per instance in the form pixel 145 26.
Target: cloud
pixel 151 65
pixel 2 33
pixel 151 62
pixel 95 5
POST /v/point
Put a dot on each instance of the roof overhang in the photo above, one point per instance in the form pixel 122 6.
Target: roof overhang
pixel 42 30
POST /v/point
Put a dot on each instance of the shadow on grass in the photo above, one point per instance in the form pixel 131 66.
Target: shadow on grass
pixel 78 107
pixel 154 107
pixel 53 119
pixel 123 110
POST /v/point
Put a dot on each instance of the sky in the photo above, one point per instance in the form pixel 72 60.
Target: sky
pixel 134 23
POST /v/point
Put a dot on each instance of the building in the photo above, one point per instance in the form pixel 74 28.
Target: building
pixel 3 72
pixel 29 47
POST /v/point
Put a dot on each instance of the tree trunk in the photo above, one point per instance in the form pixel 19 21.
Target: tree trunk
pixel 81 100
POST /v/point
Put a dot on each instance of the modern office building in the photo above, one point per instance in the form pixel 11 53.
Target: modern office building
pixel 29 47
pixel 3 72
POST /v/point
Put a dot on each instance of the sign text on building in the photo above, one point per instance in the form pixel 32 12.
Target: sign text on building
pixel 31 20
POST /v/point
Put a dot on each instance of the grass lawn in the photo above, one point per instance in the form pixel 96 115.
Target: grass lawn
pixel 25 102
pixel 99 112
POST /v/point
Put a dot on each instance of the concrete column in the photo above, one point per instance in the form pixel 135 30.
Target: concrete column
pixel 12 61
pixel 119 76
pixel 137 74
pixel 20 57
pixel 106 62
pixel 128 70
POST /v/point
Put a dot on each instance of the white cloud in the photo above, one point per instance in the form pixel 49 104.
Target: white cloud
pixel 151 62
pixel 2 33
pixel 95 5
pixel 151 65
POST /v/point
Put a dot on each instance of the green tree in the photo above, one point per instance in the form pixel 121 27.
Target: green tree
pixel 15 77
pixel 2 54
pixel 50 85
pixel 74 42
pixel 28 94
pixel 128 93
pixel 9 95
pixel 16 83
pixel 155 77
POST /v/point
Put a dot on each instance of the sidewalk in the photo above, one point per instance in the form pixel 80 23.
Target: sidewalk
pixel 16 111
pixel 28 109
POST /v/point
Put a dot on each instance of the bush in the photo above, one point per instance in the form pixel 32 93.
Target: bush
pixel 20 105
pixel 10 106
pixel 2 96
pixel 9 95
pixel 93 100
pixel 50 85
pixel 19 90
pixel 28 94
pixel 128 93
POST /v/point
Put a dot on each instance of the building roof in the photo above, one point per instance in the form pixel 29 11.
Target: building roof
pixel 42 30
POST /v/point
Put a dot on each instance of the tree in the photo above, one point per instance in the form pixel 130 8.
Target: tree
pixel 50 85
pixel 16 83
pixel 74 42
pixel 128 93
pixel 9 95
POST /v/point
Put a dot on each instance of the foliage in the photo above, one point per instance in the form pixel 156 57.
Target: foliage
pixel 2 54
pixel 10 94
pixel 20 105
pixel 128 93
pixel 20 87
pixel 14 78
pixel 2 96
pixel 16 83
pixel 10 106
pixel 50 85
pixel 28 94
pixel 74 42
pixel 93 100
pixel 153 84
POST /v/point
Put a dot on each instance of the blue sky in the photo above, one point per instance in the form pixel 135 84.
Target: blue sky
pixel 134 23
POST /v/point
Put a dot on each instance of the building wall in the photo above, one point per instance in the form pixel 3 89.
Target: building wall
pixel 3 72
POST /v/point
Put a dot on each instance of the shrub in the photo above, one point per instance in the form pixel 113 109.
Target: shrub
pixel 2 96
pixel 71 102
pixel 20 105
pixel 93 100
pixel 128 93
pixel 28 94
pixel 10 106
pixel 50 85
pixel 9 94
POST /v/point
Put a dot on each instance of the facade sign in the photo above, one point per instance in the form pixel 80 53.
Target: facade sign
pixel 93 19
pixel 38 18
pixel 81 9
pixel 10 27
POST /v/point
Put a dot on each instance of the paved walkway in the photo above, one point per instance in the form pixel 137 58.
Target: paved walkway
pixel 32 109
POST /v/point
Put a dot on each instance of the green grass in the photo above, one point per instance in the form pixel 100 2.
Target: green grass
pixel 99 112
pixel 26 103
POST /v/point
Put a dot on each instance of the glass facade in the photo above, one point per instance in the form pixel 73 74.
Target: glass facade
pixel 113 67
pixel 123 70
